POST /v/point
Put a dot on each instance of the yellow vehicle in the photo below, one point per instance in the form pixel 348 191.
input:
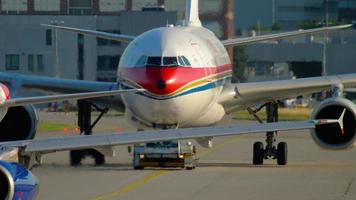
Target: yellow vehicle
pixel 173 154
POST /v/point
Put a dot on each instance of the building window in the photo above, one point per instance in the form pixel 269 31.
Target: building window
pixel 111 5
pixel 108 63
pixel 80 7
pixel 47 5
pixel 40 66
pixel 12 62
pixel 106 79
pixel 138 5
pixel 49 37
pixel 11 5
pixel 31 63
pixel 105 42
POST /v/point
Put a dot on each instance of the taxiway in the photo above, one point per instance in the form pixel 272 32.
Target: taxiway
pixel 223 172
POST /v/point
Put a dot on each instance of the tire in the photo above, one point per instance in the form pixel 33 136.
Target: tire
pixel 282 153
pixel 75 157
pixel 138 167
pixel 99 158
pixel 189 168
pixel 258 153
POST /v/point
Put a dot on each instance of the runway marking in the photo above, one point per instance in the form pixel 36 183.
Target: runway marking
pixel 150 177
pixel 131 186
pixel 348 187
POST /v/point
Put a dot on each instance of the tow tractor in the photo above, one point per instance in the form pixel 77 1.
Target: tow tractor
pixel 175 154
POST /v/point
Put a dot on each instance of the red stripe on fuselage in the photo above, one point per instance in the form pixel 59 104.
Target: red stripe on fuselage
pixel 173 77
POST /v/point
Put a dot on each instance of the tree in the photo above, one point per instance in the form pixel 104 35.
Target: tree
pixel 239 64
pixel 276 27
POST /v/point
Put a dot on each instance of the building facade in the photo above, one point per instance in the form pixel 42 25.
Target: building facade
pixel 303 56
pixel 27 47
pixel 291 14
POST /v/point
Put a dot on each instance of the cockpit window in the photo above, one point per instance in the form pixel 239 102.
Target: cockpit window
pixel 186 61
pixel 154 61
pixel 163 61
pixel 141 61
pixel 183 61
pixel 170 61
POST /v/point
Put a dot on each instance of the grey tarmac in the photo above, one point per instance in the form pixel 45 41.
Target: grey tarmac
pixel 223 172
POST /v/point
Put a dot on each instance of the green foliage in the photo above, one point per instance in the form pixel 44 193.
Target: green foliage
pixel 316 24
pixel 239 64
pixel 274 27
pixel 285 114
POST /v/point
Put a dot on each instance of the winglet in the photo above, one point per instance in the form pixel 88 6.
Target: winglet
pixel 341 121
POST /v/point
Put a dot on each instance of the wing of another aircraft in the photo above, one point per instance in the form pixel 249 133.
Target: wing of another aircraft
pixel 16 82
pixel 99 34
pixel 249 94
pixel 54 98
pixel 278 36
pixel 99 141
pixel 50 84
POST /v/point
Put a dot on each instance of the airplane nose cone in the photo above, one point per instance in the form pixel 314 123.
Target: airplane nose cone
pixel 161 84
pixel 162 81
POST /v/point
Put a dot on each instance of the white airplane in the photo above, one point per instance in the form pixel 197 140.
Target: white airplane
pixel 177 78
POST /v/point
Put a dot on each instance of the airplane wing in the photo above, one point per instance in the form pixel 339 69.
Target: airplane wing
pixel 250 94
pixel 109 140
pixel 55 98
pixel 99 34
pixel 50 84
pixel 278 36
pixel 16 82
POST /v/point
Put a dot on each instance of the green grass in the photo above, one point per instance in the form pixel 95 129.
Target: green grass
pixel 294 114
pixel 285 114
pixel 52 127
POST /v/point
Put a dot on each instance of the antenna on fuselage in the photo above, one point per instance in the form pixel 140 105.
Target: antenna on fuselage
pixel 192 13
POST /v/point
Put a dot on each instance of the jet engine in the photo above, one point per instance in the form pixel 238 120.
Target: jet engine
pixel 16 182
pixel 332 136
pixel 19 123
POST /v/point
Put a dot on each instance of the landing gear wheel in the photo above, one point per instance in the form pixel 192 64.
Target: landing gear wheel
pixel 75 157
pixel 258 153
pixel 99 158
pixel 138 167
pixel 189 168
pixel 282 153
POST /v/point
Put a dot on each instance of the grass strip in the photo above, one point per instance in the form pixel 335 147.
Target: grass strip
pixel 285 114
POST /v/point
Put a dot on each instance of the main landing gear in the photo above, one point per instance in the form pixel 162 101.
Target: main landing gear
pixel 260 153
pixel 86 127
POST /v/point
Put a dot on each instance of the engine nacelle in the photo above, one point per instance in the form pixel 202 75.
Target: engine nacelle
pixel 16 182
pixel 19 123
pixel 330 136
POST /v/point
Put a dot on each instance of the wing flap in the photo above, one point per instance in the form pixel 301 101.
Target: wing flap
pixel 278 36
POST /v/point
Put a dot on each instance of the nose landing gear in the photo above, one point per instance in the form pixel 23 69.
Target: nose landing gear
pixel 270 151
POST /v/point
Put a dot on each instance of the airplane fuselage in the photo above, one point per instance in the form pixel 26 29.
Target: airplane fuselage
pixel 182 69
